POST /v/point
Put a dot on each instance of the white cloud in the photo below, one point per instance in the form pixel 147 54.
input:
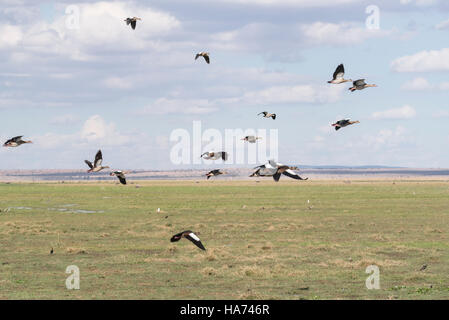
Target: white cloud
pixel 424 61
pixel 10 36
pixel 293 94
pixel 420 3
pixel 95 130
pixel 406 112
pixel 187 106
pixel 422 84
pixel 117 83
pixel 338 34
pixel 65 119
pixel 443 25
pixel 293 3
pixel 417 84
pixel 101 28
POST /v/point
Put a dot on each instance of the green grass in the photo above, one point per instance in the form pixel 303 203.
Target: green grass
pixel 262 239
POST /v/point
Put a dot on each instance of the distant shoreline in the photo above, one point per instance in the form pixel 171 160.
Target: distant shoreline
pixel 233 174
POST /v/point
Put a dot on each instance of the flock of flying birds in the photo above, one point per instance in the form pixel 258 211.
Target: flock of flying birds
pixel 270 169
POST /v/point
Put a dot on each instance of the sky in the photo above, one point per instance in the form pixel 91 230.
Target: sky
pixel 74 78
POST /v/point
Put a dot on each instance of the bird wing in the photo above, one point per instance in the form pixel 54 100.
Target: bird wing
pixel 290 173
pixel 194 238
pixel 121 177
pixel 133 24
pixel 264 113
pixel 206 57
pixel 224 155
pixel 359 83
pixel 89 164
pixel 273 164
pixel 273 116
pixel 16 139
pixel 277 176
pixel 98 159
pixel 339 72
pixel 128 21
pixel 176 237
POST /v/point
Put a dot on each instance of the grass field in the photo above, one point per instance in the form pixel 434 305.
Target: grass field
pixel 263 240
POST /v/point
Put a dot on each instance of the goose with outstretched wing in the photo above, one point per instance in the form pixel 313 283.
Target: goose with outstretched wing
pixel 215 155
pixel 360 85
pixel 205 55
pixel 338 76
pixel 15 142
pixel 96 166
pixel 189 235
pixel 132 22
pixel 120 175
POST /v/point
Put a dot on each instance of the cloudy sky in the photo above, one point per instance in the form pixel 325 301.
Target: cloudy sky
pixel 73 90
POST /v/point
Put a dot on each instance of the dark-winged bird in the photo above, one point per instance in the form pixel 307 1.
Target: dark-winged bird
pixel 205 55
pixel 360 85
pixel 190 236
pixel 343 123
pixel 275 169
pixel 132 22
pixel 120 175
pixel 338 75
pixel 268 115
pixel 15 142
pixel 215 155
pixel 214 173
pixel 251 139
pixel 97 163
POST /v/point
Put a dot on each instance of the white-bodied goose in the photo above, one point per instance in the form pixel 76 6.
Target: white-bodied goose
pixel 343 123
pixel 15 142
pixel 97 163
pixel 132 22
pixel 251 139
pixel 275 169
pixel 338 76
pixel 360 85
pixel 214 173
pixel 205 55
pixel 190 236
pixel 268 115
pixel 120 175
pixel 215 155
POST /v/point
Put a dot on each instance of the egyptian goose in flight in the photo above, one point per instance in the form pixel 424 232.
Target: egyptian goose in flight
pixel 338 75
pixel 274 169
pixel 190 236
pixel 268 115
pixel 96 167
pixel 360 85
pixel 15 142
pixel 120 175
pixel 214 173
pixel 205 55
pixel 343 123
pixel 215 155
pixel 132 22
pixel 251 139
